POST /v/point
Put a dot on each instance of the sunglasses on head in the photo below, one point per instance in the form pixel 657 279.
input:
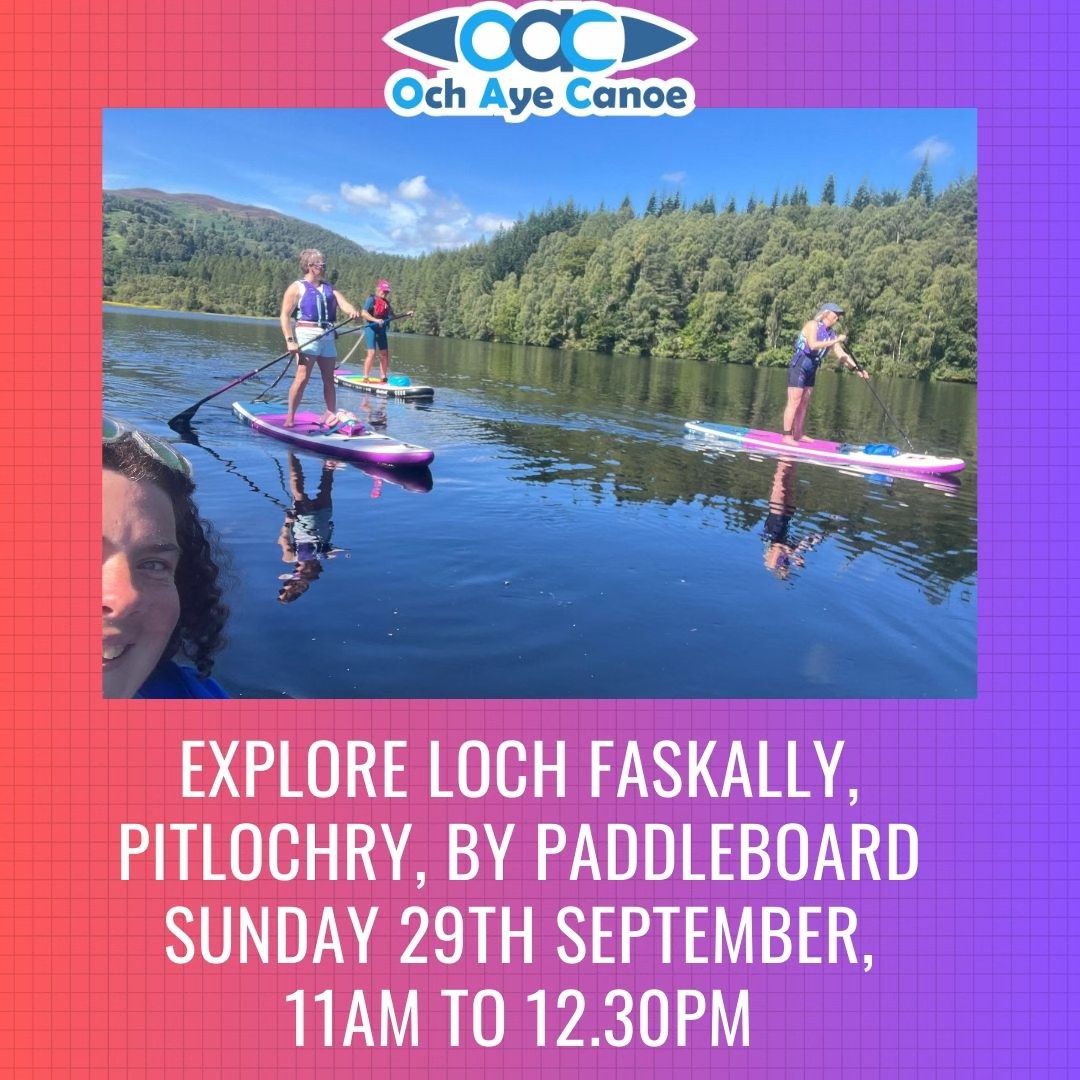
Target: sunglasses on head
pixel 112 431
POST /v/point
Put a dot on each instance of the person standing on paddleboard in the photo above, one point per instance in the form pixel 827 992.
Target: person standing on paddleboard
pixel 312 305
pixel 378 307
pixel 816 340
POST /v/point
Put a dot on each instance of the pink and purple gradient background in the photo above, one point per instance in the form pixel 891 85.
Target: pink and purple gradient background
pixel 972 960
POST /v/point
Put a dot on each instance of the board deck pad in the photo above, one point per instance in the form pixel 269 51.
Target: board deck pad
pixel 354 380
pixel 309 433
pixel 825 452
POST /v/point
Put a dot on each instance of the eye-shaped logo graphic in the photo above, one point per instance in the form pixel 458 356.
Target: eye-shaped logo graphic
pixel 540 37
pixel 537 60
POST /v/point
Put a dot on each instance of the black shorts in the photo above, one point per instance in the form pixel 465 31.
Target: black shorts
pixel 802 372
pixel 776 527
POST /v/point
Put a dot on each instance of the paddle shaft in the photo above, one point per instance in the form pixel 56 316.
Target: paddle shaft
pixel 182 419
pixel 353 330
pixel 885 409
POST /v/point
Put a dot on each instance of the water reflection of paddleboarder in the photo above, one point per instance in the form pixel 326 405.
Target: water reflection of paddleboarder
pixel 306 538
pixel 374 413
pixel 781 551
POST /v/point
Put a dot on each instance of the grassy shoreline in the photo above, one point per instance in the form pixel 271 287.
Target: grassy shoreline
pixel 180 311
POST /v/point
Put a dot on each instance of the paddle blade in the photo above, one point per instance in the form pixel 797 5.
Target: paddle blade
pixel 181 422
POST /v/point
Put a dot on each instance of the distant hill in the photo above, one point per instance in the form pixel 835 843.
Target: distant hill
pixel 197 202
pixel 199 253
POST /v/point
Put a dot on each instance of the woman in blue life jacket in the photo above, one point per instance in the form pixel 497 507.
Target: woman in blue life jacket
pixel 308 309
pixel 815 341
pixel 379 313
pixel 161 595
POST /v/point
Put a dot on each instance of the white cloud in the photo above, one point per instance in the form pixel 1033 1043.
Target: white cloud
pixel 363 194
pixel 446 233
pixel 400 216
pixel 323 203
pixel 492 223
pixel 415 189
pixel 416 218
pixel 674 177
pixel 933 149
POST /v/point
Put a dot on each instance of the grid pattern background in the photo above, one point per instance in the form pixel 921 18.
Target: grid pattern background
pixel 972 959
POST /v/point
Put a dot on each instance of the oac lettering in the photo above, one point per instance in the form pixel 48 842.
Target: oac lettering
pixel 566 24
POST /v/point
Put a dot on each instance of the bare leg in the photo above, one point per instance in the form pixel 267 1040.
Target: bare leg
pixel 326 370
pixel 296 390
pixel 800 413
pixel 794 397
pixel 367 363
pixel 385 364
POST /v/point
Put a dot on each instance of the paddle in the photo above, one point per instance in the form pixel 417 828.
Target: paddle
pixel 348 355
pixel 859 367
pixel 183 419
pixel 351 330
pixel 262 396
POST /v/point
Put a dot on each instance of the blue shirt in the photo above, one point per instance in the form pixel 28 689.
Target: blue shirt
pixel 169 680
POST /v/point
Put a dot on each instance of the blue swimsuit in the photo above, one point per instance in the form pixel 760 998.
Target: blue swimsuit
pixel 381 309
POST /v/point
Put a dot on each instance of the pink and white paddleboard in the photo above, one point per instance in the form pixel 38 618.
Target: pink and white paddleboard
pixel 308 433
pixel 876 457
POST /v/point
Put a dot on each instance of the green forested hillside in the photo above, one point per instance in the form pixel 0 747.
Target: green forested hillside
pixel 674 281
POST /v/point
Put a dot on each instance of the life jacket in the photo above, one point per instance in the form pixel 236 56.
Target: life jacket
pixel 381 308
pixel 804 352
pixel 317 303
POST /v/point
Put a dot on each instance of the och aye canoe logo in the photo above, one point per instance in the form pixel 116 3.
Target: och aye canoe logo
pixel 538 60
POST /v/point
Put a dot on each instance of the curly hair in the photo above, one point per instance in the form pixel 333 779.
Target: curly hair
pixel 309 256
pixel 200 630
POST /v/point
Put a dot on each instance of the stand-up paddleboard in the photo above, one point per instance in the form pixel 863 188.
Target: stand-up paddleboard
pixel 879 457
pixel 398 386
pixel 308 433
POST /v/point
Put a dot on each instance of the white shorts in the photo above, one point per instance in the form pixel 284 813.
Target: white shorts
pixel 324 347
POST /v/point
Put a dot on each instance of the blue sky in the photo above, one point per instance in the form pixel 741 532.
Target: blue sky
pixel 408 185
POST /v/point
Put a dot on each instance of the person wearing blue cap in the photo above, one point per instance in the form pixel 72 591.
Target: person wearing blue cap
pixel 816 340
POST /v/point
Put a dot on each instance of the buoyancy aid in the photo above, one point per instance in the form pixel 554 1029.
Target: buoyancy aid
pixel 317 303
pixel 803 352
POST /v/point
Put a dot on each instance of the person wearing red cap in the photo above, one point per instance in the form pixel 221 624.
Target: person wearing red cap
pixel 378 312
pixel 816 339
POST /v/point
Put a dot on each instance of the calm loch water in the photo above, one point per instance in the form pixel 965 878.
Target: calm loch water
pixel 568 540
